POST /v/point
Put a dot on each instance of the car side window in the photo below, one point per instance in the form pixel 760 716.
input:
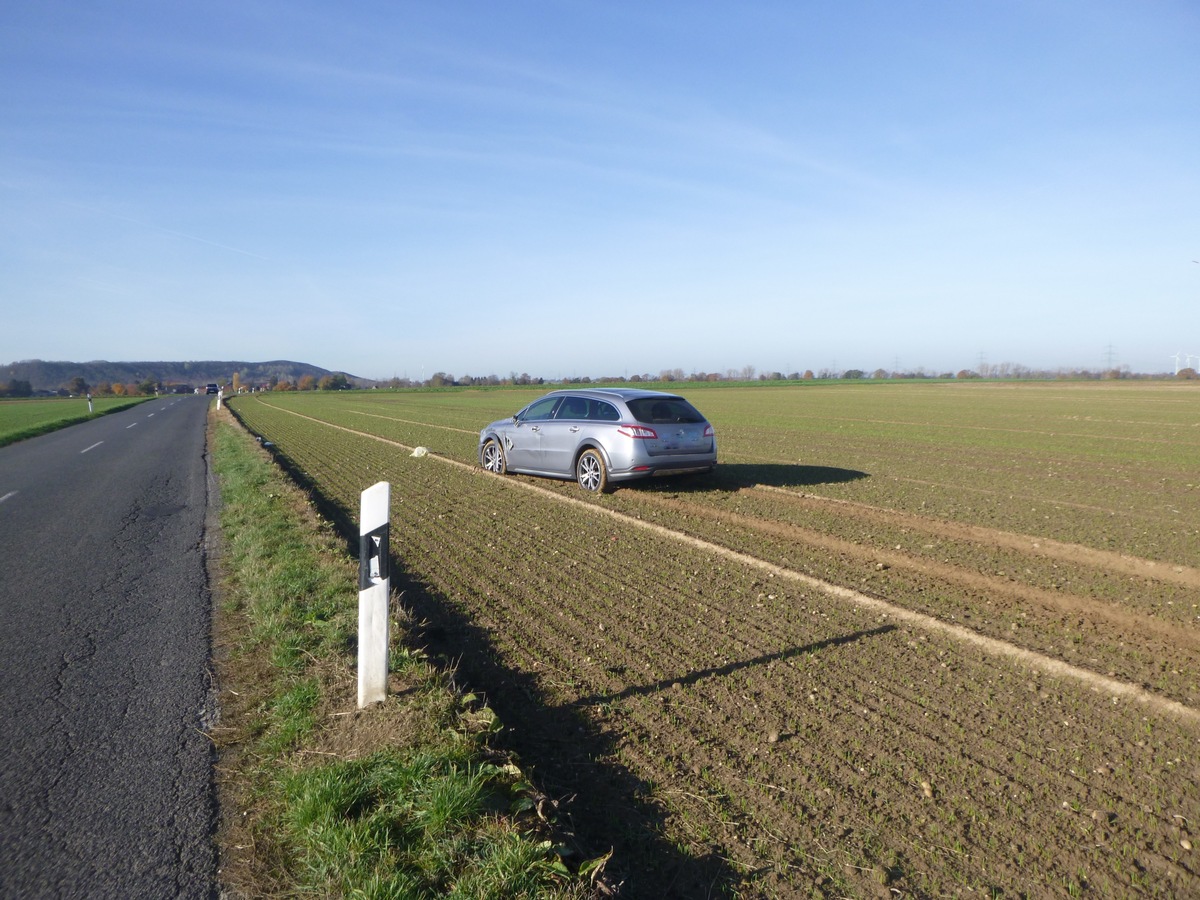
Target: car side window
pixel 604 412
pixel 573 408
pixel 541 410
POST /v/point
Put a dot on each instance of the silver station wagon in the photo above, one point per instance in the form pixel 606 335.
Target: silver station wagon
pixel 601 436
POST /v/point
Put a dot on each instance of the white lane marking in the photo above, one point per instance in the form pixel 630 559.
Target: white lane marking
pixel 151 416
pixel 93 447
pixel 6 496
pixel 127 427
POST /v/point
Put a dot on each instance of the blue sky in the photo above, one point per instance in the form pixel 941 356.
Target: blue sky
pixel 602 188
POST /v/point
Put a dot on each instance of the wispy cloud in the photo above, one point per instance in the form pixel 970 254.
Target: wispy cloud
pixel 150 226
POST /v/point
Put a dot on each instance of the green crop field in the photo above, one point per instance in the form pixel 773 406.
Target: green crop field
pixel 20 419
pixel 908 639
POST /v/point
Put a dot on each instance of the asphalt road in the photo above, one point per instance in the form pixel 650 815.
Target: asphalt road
pixel 105 773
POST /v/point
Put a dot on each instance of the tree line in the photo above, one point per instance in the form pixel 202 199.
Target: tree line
pixel 78 386
pixel 1002 371
pixel 239 382
pixel 334 382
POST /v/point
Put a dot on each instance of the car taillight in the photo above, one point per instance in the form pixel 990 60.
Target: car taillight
pixel 638 431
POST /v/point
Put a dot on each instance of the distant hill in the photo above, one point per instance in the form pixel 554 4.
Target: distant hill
pixel 50 376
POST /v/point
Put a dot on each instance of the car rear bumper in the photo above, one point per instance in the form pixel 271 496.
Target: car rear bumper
pixel 677 467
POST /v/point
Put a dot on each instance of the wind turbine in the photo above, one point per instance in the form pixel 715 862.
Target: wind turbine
pixel 1176 358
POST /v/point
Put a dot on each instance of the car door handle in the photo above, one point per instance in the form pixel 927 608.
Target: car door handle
pixel 573 429
pixel 535 427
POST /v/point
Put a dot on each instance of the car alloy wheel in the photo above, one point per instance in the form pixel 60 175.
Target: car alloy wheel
pixel 590 471
pixel 493 457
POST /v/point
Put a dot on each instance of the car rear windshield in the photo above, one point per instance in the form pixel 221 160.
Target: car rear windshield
pixel 663 410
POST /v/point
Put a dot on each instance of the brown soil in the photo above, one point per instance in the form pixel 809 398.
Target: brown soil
pixel 766 692
pixel 1073 553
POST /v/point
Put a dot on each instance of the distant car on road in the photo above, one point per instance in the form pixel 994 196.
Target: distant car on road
pixel 601 436
pixel 212 389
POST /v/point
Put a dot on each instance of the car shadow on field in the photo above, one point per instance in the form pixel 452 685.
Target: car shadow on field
pixel 734 476
pixel 737 476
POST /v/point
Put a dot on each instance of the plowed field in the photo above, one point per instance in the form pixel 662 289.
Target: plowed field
pixel 909 640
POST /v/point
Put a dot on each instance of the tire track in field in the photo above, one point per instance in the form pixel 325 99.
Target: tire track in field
pixel 1050 665
pixel 1119 563
pixel 994 646
pixel 1050 600
pixel 1052 501
pixel 358 412
pixel 959 427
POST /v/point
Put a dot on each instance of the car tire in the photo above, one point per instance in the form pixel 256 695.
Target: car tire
pixel 491 457
pixel 590 471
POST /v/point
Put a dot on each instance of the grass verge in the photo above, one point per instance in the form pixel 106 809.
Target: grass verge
pixel 405 799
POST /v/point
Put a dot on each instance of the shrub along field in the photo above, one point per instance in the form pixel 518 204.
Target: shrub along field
pixel 909 639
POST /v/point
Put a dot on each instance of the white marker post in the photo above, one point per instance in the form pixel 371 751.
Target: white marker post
pixel 374 586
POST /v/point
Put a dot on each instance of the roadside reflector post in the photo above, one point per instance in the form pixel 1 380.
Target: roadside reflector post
pixel 374 586
pixel 220 394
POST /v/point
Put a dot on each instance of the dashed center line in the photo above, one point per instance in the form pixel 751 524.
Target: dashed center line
pixel 93 447
pixel 6 496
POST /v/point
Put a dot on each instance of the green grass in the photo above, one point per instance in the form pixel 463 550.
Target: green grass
pixel 21 419
pixel 425 810
pixel 413 825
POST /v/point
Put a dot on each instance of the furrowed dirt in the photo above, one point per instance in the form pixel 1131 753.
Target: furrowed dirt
pixel 795 680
